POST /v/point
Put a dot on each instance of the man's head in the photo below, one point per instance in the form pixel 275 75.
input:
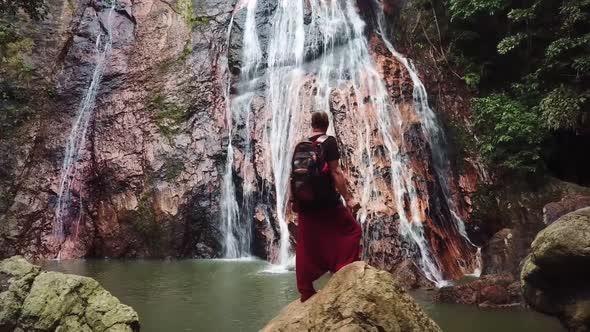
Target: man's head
pixel 320 121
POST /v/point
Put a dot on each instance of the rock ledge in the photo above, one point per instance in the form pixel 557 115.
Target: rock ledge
pixel 357 298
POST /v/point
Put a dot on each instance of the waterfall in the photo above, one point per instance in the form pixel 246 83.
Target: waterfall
pixel 77 138
pixel 284 81
pixel 318 55
pixel 340 50
pixel 433 133
pixel 235 228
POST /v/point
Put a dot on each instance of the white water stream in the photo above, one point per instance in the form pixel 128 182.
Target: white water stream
pixel 65 222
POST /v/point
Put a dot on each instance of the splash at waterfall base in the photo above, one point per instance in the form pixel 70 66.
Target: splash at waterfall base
pixel 330 56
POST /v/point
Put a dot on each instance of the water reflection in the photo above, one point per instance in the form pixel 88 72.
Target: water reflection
pixel 219 295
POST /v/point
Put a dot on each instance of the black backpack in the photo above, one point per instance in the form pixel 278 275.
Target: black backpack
pixel 310 179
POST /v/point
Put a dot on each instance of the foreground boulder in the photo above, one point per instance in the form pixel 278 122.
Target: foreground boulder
pixel 357 298
pixel 31 300
pixel 556 275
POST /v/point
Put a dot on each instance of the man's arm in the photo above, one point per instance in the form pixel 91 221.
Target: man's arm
pixel 339 179
pixel 341 184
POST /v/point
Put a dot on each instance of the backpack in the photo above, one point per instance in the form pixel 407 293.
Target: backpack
pixel 310 179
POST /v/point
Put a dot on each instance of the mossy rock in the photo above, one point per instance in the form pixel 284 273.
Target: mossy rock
pixel 31 300
pixel 555 275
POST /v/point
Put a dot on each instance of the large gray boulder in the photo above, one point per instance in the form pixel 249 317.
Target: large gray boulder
pixel 556 275
pixel 357 298
pixel 31 300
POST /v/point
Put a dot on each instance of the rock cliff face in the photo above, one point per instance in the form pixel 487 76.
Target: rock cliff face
pixel 146 183
pixel 148 180
pixel 31 300
pixel 357 298
pixel 555 275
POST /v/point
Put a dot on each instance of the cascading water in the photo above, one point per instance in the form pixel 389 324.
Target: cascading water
pixel 284 81
pixel 236 229
pixel 432 132
pixel 317 54
pixel 77 138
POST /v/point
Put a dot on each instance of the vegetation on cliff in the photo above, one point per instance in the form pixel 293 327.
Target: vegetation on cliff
pixel 527 64
pixel 36 9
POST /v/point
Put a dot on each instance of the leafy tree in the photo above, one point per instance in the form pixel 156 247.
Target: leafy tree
pixel 36 9
pixel 510 133
pixel 528 61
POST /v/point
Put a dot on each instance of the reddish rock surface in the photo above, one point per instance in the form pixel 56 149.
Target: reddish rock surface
pixel 490 291
pixel 502 253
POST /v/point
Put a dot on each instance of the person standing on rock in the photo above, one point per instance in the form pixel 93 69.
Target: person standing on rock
pixel 328 236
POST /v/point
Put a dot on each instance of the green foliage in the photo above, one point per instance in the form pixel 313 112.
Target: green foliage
pixel 511 42
pixel 14 59
pixel 185 8
pixel 201 21
pixel 186 51
pixel 472 80
pixel 522 14
pixel 36 9
pixel 561 108
pixel 509 133
pixel 528 62
pixel 16 73
pixel 172 169
pixel 168 115
pixel 146 224
pixel 15 54
pixel 563 45
pixel 469 8
pixel 581 64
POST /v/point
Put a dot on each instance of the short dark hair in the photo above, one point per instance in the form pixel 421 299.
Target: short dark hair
pixel 320 120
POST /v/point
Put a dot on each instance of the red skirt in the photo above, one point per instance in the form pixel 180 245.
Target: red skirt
pixel 327 240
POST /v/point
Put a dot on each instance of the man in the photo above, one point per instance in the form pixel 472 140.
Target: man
pixel 328 235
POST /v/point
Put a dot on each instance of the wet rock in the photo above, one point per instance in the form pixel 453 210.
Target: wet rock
pixel 490 291
pixel 509 219
pixel 31 300
pixel 555 275
pixel 265 9
pixel 356 298
pixel 554 210
pixel 500 254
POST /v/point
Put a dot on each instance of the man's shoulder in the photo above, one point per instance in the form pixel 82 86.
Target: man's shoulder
pixel 331 139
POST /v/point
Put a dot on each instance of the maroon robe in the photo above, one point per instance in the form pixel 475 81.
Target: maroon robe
pixel 327 240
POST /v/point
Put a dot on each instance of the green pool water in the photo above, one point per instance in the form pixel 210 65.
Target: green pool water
pixel 221 295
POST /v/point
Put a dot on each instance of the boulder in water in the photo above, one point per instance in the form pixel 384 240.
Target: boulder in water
pixel 555 276
pixel 357 298
pixel 490 291
pixel 31 300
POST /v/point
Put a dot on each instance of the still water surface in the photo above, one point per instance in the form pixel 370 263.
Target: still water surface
pixel 222 295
